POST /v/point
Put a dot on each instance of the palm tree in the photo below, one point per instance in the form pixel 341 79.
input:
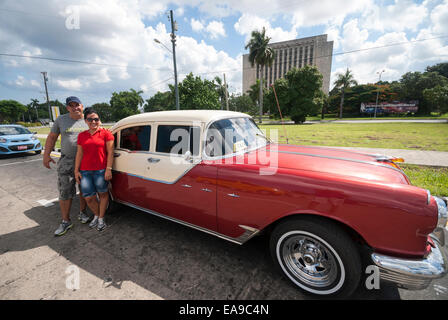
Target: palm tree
pixel 35 104
pixel 343 82
pixel 261 55
pixel 221 90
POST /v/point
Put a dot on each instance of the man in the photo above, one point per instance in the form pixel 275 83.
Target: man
pixel 68 126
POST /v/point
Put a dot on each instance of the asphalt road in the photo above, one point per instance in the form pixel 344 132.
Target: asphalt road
pixel 139 256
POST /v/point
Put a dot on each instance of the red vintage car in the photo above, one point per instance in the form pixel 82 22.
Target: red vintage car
pixel 329 213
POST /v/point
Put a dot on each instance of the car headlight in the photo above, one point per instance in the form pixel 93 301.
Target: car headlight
pixel 443 216
pixel 2 140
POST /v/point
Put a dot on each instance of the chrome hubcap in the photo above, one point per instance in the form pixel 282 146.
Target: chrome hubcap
pixel 310 261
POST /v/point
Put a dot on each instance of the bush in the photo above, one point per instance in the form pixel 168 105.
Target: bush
pixel 29 124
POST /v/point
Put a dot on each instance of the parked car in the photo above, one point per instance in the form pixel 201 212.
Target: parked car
pixel 329 213
pixel 18 139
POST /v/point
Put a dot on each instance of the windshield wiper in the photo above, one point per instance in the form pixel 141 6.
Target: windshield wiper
pixel 266 138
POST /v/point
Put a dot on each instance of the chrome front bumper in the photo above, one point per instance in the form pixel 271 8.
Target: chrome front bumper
pixel 414 274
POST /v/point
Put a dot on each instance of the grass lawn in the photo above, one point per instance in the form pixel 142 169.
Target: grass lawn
pixel 412 136
pixel 434 179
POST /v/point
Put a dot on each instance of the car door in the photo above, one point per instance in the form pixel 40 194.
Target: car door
pixel 132 145
pixel 170 179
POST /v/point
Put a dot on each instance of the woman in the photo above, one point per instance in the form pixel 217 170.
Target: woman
pixel 93 166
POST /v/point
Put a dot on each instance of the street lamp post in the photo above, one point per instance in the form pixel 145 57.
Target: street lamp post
pixel 378 92
pixel 173 52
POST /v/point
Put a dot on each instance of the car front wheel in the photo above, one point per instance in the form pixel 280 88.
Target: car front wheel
pixel 317 256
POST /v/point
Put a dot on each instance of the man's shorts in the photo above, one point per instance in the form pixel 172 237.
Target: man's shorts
pixel 66 178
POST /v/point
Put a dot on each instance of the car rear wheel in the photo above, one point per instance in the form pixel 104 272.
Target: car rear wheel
pixel 317 256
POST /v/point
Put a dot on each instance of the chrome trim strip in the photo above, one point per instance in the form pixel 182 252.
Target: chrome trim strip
pixel 249 232
pixel 334 148
pixel 338 158
pixel 154 180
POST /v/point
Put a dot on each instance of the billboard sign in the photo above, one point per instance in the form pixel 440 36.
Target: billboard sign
pixel 395 107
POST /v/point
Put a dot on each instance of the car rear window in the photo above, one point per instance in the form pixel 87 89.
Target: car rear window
pixel 135 138
pixel 178 139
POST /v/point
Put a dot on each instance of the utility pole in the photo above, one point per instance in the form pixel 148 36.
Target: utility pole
pixel 173 40
pixel 227 93
pixel 46 92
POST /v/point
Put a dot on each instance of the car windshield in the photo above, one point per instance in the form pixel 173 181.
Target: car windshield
pixel 4 131
pixel 233 135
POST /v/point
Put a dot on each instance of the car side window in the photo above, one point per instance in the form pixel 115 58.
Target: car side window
pixel 135 138
pixel 178 139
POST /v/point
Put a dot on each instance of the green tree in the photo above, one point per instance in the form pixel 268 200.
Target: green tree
pixel 11 111
pixel 161 101
pixel 104 111
pixel 281 87
pixel 260 54
pixel 413 85
pixel 195 93
pixel 305 93
pixel 125 104
pixel 343 82
pixel 242 103
pixel 438 98
pixel 440 68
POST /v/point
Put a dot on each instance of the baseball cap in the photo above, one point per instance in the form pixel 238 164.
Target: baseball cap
pixel 72 99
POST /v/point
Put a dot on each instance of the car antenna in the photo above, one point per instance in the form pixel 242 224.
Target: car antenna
pixel 281 117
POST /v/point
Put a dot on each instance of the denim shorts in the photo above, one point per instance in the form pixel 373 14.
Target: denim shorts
pixel 93 181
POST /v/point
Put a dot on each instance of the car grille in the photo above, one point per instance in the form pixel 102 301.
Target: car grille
pixel 3 149
pixel 16 148
pixel 15 141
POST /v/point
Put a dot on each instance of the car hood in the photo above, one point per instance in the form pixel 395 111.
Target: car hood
pixel 327 160
pixel 17 137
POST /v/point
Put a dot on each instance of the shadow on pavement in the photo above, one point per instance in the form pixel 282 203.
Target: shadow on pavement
pixel 168 259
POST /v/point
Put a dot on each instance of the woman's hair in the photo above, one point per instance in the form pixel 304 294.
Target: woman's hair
pixel 88 111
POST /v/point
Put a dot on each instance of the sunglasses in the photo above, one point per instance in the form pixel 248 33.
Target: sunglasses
pixel 93 119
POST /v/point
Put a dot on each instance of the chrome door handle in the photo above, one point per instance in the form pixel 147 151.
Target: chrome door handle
pixel 153 160
pixel 206 190
pixel 233 195
pixel 116 155
pixel 186 186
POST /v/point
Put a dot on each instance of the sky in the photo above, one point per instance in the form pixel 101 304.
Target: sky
pixel 110 43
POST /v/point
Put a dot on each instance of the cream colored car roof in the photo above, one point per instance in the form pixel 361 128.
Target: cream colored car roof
pixel 203 116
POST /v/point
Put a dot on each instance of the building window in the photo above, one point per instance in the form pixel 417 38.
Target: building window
pixel 300 57
pixel 295 57
pixel 286 59
pixel 311 55
pixel 306 56
pixel 270 75
pixel 280 64
pixel 290 59
pixel 275 66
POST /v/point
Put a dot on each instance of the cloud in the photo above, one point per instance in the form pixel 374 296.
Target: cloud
pixel 113 33
pixel 247 23
pixel 216 29
pixel 196 25
pixel 400 16
pixel 439 18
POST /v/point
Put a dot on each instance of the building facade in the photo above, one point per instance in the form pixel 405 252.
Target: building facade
pixel 297 53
